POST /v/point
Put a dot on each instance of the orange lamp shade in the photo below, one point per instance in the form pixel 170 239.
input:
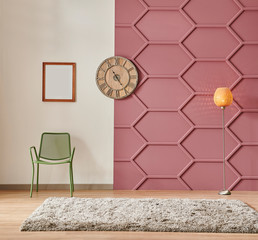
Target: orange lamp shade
pixel 223 97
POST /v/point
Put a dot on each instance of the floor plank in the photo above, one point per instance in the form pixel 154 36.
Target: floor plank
pixel 16 206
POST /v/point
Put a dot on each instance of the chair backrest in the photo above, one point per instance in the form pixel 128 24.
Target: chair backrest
pixel 55 146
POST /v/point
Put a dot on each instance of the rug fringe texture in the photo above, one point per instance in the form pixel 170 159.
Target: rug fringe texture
pixel 147 214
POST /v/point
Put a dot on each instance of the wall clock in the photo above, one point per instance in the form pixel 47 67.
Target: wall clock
pixel 116 77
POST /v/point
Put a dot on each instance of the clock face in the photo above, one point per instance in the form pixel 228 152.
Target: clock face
pixel 117 77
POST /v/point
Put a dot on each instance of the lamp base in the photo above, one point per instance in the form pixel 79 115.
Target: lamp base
pixel 225 192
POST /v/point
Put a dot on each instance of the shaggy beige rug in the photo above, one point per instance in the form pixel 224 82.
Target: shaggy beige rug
pixel 157 215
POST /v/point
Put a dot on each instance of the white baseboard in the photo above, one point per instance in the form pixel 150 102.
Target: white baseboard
pixel 57 186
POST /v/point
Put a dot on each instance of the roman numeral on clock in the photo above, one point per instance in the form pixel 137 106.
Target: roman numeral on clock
pixel 103 86
pixel 108 63
pixel 117 94
pixel 131 85
pixel 116 61
pixel 126 92
pixel 109 92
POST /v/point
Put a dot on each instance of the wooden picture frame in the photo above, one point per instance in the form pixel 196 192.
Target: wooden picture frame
pixel 58 82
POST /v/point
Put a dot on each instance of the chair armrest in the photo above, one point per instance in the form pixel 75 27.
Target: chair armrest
pixel 35 152
pixel 71 159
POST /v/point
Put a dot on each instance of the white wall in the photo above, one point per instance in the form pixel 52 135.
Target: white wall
pixel 34 31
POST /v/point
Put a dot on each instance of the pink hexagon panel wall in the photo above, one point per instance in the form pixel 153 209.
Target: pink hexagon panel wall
pixel 168 133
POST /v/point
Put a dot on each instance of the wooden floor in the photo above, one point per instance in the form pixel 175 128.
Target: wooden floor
pixel 16 206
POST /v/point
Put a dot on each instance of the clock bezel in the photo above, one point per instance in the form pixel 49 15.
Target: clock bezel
pixel 136 73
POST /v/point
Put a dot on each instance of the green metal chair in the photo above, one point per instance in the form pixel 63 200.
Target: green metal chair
pixel 55 148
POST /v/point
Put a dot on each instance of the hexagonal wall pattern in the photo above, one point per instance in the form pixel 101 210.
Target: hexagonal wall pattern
pixel 123 34
pixel 166 55
pixel 162 184
pixel 141 76
pixel 168 134
pixel 158 93
pixel 164 3
pixel 211 42
pixel 246 127
pixel 207 144
pixel 208 176
pixel 247 32
pixel 127 11
pixel 249 67
pixel 245 161
pixel 158 160
pixel 126 175
pixel 131 108
pixel 249 3
pixel 201 110
pixel 126 143
pixel 162 126
pixel 159 25
pixel 245 93
pixel 207 76
pixel 212 11
pixel 247 185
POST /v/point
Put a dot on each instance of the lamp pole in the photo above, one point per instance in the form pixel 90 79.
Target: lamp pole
pixel 224 191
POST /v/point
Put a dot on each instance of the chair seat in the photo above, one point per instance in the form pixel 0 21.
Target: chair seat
pixel 52 162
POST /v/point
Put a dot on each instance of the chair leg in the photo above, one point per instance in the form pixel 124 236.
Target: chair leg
pixel 37 189
pixel 32 181
pixel 70 175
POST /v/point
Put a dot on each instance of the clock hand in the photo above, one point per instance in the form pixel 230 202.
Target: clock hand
pixel 126 92
pixel 117 78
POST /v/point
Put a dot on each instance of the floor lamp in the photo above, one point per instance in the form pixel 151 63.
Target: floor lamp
pixel 223 98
